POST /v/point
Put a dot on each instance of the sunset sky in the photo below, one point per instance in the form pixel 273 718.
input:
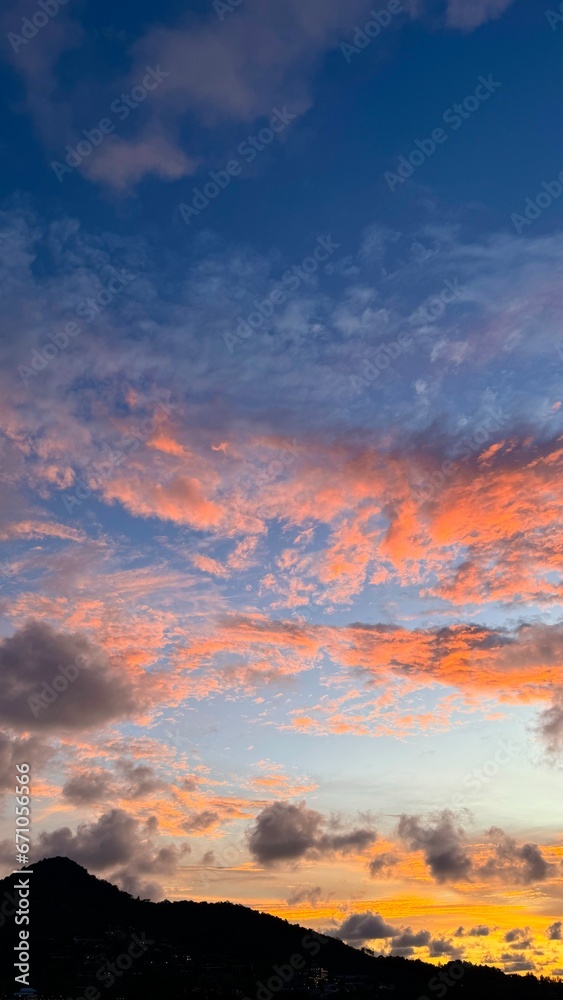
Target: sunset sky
pixel 282 460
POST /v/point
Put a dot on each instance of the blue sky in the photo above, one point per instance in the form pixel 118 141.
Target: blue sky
pixel 315 566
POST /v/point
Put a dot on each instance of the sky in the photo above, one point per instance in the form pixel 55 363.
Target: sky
pixel 282 448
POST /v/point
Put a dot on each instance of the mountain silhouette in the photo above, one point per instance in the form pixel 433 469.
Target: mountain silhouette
pixel 90 940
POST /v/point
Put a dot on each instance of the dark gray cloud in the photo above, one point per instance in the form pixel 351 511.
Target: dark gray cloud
pixel 198 821
pixel 32 751
pixel 516 934
pixel 523 944
pixel 442 841
pixel 360 927
pixel 98 846
pixel 87 787
pixel 550 725
pixel 128 781
pixel 309 894
pixel 510 863
pixel 411 939
pixel 119 844
pixel 7 854
pixel 554 931
pixel 480 931
pixel 381 864
pixel 287 832
pixel 189 783
pixel 139 779
pixel 162 862
pixel 518 965
pixel 406 940
pixel 56 680
pixel 439 947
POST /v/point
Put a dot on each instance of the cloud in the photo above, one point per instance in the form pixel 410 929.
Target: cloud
pixel 377 525
pixel 117 842
pixel 287 832
pixel 181 499
pixel 14 751
pixel 126 781
pixel 477 660
pixel 516 934
pixel 139 779
pixel 520 965
pixel 310 894
pixel 523 945
pixel 554 931
pixel 217 74
pixel 411 939
pixel 470 14
pixel 439 947
pixel 221 73
pixel 360 927
pixel 37 64
pixel 381 863
pixel 442 841
pixel 550 725
pixel 480 931
pixel 513 864
pixel 201 822
pixel 124 163
pixel 88 787
pixel 97 846
pixel 387 523
pixel 31 662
